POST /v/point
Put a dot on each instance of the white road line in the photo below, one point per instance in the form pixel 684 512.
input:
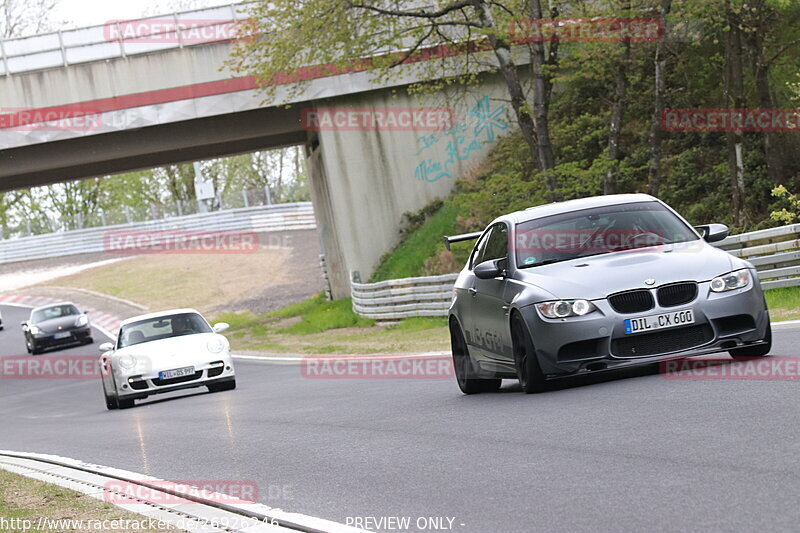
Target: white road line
pixel 291 359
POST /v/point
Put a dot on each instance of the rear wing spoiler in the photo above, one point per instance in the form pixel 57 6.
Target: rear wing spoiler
pixel 448 240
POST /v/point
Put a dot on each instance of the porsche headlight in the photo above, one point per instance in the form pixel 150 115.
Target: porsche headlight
pixel 215 345
pixel 565 308
pixel 730 281
pixel 82 321
pixel 128 362
pixel 34 330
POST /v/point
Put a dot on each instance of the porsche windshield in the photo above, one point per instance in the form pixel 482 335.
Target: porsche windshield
pixel 162 327
pixel 49 313
pixel 596 231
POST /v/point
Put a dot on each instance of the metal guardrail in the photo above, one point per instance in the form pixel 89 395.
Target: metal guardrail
pixel 119 39
pixel 775 253
pixel 403 298
pixel 279 217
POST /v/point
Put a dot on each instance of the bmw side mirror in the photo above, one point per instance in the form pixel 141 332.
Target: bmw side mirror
pixel 713 232
pixel 106 347
pixel 222 326
pixel 494 268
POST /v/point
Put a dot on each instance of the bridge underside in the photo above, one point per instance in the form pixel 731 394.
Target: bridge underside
pixel 148 147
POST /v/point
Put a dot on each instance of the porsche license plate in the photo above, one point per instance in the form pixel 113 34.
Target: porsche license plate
pixel 665 320
pixel 62 335
pixel 176 373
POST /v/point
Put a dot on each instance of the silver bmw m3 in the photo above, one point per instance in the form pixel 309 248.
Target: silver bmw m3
pixel 597 284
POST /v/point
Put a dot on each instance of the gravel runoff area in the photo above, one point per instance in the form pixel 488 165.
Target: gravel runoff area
pixel 305 278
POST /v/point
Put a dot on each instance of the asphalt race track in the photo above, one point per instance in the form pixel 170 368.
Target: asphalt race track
pixel 637 453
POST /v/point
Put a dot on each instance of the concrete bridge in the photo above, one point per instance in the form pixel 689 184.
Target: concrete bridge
pixel 115 98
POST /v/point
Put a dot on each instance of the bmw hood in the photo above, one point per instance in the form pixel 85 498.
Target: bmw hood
pixel 598 276
pixel 166 354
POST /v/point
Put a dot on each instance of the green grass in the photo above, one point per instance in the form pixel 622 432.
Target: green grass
pixel 408 258
pixel 784 304
pixel 420 323
pixel 316 315
pixel 316 326
pixel 324 315
pixel 301 308
pixel 29 499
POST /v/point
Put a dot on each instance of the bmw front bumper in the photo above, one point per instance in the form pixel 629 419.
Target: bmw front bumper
pixel 597 341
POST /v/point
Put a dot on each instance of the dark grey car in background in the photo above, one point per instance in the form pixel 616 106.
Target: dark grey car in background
pixel 597 284
pixel 56 325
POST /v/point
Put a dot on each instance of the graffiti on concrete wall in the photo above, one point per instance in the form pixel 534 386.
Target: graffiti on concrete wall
pixel 463 141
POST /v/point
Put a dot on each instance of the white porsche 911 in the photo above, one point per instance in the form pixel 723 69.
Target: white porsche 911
pixel 165 352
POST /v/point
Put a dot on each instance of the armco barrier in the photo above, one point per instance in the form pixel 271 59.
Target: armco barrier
pixel 775 253
pixel 268 218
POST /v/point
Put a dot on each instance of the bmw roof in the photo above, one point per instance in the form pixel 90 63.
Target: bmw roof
pixel 557 208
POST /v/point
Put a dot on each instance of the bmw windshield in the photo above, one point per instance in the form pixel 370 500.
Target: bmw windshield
pixel 597 231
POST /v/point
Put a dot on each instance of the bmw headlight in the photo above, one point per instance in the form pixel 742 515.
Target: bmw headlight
pixel 82 321
pixel 34 330
pixel 730 281
pixel 215 345
pixel 565 308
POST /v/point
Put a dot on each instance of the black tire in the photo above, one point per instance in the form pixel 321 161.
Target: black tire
pixel 759 350
pixel 111 399
pixel 464 370
pixel 223 386
pixel 529 374
pixel 124 404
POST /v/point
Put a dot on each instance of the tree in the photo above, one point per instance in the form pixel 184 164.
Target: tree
pixel 25 17
pixel 659 86
pixel 734 98
pixel 542 85
pixel 336 37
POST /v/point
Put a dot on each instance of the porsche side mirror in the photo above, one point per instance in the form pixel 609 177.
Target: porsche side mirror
pixel 220 327
pixel 106 347
pixel 494 268
pixel 713 232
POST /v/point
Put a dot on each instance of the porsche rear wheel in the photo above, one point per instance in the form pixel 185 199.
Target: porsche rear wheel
pixel 462 363
pixel 529 373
